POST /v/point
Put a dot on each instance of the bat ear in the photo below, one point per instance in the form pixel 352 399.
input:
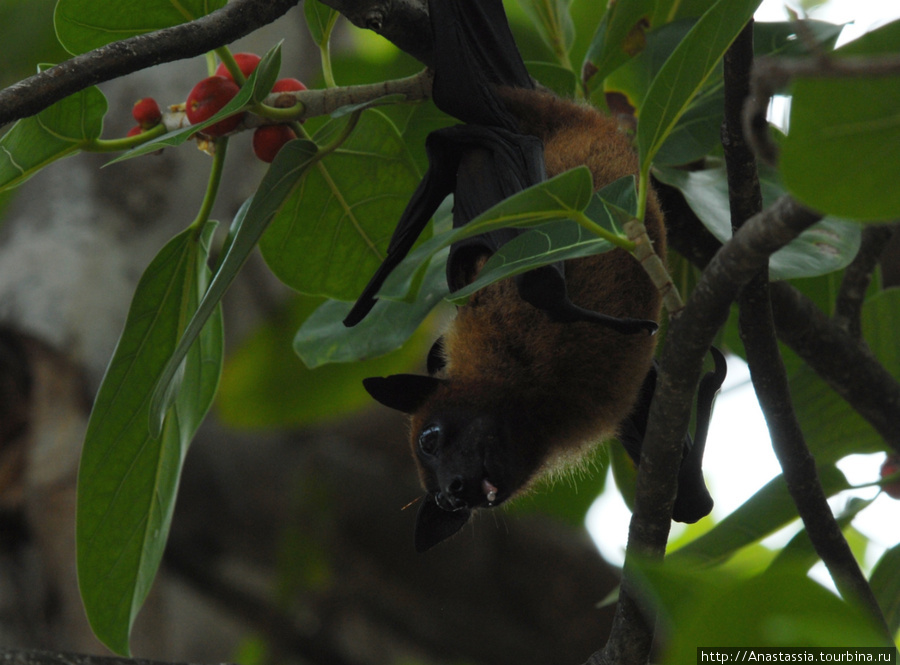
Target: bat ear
pixel 404 392
pixel 434 524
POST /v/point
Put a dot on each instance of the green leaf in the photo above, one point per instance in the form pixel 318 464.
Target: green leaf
pixel 885 582
pixel 837 157
pixel 697 133
pixel 320 20
pixel 331 235
pixel 560 80
pixel 785 609
pixel 558 241
pixel 686 70
pixel 552 200
pixel 265 385
pixel 286 172
pixel 549 243
pixel 633 78
pixel 553 22
pixel 762 514
pixel 257 87
pixel 780 37
pixel 128 480
pixel 56 132
pixel 620 36
pixel 83 25
pixel 323 338
pixel 799 553
pixel 825 247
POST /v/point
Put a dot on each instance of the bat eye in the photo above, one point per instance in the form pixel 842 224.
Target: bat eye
pixel 429 439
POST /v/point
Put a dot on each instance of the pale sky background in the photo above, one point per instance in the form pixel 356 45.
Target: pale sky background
pixel 739 457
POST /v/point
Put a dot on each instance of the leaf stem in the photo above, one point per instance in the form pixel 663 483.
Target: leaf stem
pixel 231 64
pixel 587 223
pixel 325 50
pixel 212 186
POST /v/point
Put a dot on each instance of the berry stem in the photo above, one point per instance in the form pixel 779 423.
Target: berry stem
pixel 125 143
pixel 282 114
pixel 212 185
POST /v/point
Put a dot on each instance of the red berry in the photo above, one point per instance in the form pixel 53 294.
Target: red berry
pixel 269 139
pixel 146 112
pixel 889 468
pixel 288 85
pixel 207 98
pixel 246 62
pixel 134 131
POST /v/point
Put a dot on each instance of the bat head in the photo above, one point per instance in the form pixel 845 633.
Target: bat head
pixel 470 445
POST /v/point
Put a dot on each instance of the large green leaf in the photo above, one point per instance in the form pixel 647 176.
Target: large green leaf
pixel 686 70
pixel 57 131
pixel 331 235
pixel 839 156
pixel 83 25
pixel 323 338
pixel 287 171
pixel 825 247
pixel 128 479
pixel 762 514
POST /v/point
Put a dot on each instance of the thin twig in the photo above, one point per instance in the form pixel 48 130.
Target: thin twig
pixel 857 276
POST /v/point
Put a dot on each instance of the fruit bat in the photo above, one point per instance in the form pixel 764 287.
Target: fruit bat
pixel 540 367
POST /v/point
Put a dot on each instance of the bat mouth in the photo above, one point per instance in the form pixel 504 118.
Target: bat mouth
pixel 490 491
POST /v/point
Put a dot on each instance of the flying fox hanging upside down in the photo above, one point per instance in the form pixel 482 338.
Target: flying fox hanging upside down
pixel 538 368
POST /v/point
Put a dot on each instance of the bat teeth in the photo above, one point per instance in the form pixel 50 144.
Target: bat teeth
pixel 490 491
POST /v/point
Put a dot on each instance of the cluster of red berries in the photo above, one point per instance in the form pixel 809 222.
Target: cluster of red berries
pixel 210 95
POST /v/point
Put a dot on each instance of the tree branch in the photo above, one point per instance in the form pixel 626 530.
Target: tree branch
pixel 842 361
pixel 223 26
pixel 857 276
pixel 688 340
pixel 767 370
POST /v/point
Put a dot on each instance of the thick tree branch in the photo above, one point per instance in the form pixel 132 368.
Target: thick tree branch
pixel 234 20
pixel 842 361
pixel 764 359
pixel 689 337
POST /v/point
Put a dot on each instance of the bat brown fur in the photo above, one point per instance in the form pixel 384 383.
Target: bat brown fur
pixel 549 388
